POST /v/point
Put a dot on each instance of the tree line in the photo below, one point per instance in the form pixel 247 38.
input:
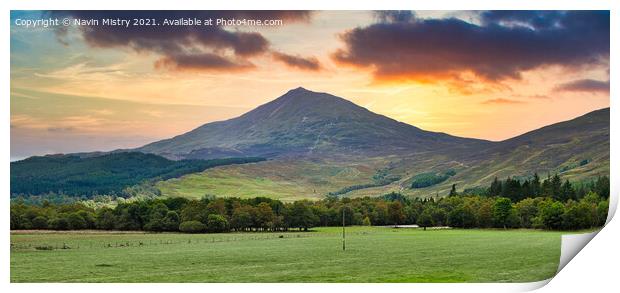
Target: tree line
pixel 102 174
pixel 552 187
pixel 211 214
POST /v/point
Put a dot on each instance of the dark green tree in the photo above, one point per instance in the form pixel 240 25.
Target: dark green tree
pixel 301 216
pixel 425 219
pixel 551 215
pixel 496 188
pixel 39 222
pixel 567 191
pixel 453 191
pixel 502 210
pixel 217 224
pixel 76 222
pixel 535 186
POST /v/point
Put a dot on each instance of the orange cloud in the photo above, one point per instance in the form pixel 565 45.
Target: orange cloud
pixel 501 101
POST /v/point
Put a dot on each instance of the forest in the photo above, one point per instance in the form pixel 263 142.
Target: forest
pixel 552 205
pixel 108 174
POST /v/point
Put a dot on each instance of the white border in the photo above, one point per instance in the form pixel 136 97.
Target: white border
pixel 594 267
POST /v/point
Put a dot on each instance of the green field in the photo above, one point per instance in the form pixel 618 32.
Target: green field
pixel 374 254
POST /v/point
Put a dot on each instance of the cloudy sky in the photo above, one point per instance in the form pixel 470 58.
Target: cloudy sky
pixel 490 75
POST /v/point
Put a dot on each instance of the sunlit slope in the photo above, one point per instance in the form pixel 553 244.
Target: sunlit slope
pixel 287 180
pixel 577 149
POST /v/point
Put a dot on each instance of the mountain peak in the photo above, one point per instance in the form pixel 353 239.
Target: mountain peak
pixel 299 91
pixel 302 122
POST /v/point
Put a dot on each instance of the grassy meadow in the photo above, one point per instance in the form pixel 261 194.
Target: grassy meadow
pixel 283 180
pixel 373 254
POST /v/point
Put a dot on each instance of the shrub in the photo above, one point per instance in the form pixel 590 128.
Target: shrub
pixel 192 227
pixel 44 247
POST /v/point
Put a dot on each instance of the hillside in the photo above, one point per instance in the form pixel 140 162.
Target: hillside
pixel 577 149
pixel 319 144
pixel 305 123
pixel 105 174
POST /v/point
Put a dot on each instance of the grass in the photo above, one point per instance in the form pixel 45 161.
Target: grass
pixel 287 180
pixel 374 254
pixel 290 180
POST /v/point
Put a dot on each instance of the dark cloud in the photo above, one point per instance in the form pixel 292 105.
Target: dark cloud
pixel 202 61
pixel 502 46
pixel 585 85
pixel 533 19
pixel 309 63
pixel 502 101
pixel 183 46
pixel 391 16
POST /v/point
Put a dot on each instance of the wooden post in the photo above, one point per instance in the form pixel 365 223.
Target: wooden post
pixel 343 235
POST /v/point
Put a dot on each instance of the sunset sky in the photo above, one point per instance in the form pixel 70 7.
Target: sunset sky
pixel 489 75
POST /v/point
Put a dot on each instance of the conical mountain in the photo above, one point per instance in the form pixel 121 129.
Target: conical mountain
pixel 304 123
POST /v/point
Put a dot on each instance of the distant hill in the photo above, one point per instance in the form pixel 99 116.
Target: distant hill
pixel 319 144
pixel 105 174
pixel 576 149
pixel 305 123
pixel 326 145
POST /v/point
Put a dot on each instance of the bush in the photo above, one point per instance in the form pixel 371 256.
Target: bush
pixel 44 247
pixel 192 227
